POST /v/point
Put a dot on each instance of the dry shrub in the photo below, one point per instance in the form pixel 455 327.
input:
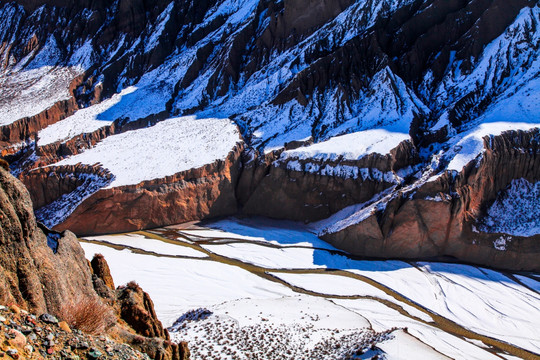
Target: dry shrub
pixel 88 314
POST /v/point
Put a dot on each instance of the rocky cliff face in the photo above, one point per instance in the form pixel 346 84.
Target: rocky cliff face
pixel 189 195
pixel 439 218
pixel 50 183
pixel 312 189
pixel 43 271
pixel 35 275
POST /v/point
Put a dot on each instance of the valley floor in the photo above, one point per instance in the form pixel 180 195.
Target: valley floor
pixel 262 289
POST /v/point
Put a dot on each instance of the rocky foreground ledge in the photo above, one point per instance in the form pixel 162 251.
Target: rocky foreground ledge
pixel 28 336
pixel 45 272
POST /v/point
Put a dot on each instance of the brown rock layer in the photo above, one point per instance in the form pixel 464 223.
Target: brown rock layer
pixel 100 268
pixel 28 127
pixel 55 151
pixel 194 194
pixel 47 184
pixel 278 192
pixel 413 225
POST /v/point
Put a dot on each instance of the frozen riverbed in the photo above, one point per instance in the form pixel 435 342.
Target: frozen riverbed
pixel 255 289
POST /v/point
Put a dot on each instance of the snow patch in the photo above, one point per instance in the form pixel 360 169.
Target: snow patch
pixel 352 146
pixel 241 304
pixel 516 210
pixel 471 144
pixel 502 242
pixel 85 120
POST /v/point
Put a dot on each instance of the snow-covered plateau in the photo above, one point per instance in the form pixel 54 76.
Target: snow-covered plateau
pixel 161 150
pixel 265 289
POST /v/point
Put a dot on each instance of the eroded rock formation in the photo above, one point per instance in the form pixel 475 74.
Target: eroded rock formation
pixel 194 194
pixel 309 190
pixel 438 219
pixel 33 275
pixel 50 183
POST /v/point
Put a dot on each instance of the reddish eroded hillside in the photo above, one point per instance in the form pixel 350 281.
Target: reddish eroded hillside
pixel 438 219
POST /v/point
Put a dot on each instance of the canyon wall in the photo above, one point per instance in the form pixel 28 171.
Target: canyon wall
pixel 438 219
pixel 420 220
pixel 194 194
pixel 310 190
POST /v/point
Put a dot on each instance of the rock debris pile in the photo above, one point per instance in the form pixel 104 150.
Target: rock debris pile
pixel 28 336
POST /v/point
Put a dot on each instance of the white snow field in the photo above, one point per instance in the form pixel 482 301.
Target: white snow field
pixel 29 92
pixel 350 146
pixel 161 150
pixel 85 120
pixel 264 289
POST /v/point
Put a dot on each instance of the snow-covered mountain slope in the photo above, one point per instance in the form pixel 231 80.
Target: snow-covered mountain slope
pixel 249 60
pixel 353 106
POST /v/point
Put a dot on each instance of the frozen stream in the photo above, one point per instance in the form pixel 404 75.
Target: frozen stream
pixel 261 289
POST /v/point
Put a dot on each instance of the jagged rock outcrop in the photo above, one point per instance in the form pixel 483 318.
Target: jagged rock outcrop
pixel 194 194
pixel 438 220
pixel 100 268
pixel 43 271
pixel 333 52
pixel 135 308
pixel 34 275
